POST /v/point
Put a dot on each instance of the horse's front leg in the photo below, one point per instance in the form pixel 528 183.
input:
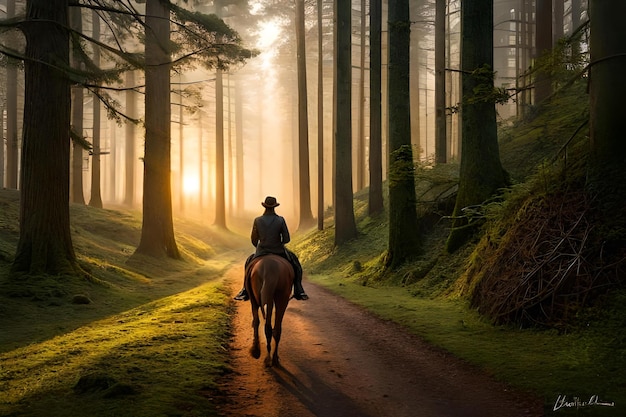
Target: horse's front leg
pixel 255 350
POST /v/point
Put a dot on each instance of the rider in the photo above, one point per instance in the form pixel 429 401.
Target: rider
pixel 269 235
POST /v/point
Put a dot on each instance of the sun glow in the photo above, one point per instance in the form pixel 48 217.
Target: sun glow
pixel 268 39
pixel 191 185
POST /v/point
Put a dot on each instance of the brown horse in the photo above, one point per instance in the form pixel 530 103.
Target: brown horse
pixel 269 285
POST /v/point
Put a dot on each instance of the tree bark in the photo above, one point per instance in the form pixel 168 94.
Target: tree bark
pixel 360 160
pixel 157 231
pixel 441 149
pixel 11 98
pixel 607 89
pixel 45 244
pixel 404 241
pixel 96 196
pixel 543 79
pixel 129 141
pixel 220 174
pixel 320 116
pixel 345 224
pixel 76 191
pixel 375 201
pixel 304 180
pixel 239 200
pixel 481 173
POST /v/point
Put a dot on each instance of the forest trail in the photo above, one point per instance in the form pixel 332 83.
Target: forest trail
pixel 339 360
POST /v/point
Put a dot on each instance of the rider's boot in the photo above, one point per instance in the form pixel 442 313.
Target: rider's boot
pixel 298 291
pixel 242 295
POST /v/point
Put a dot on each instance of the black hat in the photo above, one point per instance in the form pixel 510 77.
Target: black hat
pixel 270 202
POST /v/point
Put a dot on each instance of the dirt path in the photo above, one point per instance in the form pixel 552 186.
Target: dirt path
pixel 338 360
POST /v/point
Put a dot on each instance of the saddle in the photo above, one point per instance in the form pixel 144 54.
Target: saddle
pixel 252 260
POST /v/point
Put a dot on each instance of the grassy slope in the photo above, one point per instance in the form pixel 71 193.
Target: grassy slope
pixel 585 359
pixel 151 342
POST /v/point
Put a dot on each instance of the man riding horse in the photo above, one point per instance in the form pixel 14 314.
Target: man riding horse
pixel 269 235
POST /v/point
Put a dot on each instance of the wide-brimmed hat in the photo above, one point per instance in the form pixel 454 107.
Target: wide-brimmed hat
pixel 270 202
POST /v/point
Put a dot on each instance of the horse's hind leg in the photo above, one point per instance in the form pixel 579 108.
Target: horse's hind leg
pixel 268 334
pixel 278 329
pixel 255 350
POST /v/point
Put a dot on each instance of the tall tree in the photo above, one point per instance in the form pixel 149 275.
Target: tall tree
pixel 360 159
pixel 481 173
pixel 404 241
pixel 157 231
pixel 220 173
pixel 96 196
pixel 239 168
pixel 345 224
pixel 607 89
pixel 375 198
pixel 543 82
pixel 304 180
pixel 45 243
pixel 2 153
pixel 11 100
pixel 320 115
pixel 129 140
pixel 78 94
pixel 441 140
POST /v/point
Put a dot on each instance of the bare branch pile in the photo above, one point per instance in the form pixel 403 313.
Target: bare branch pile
pixel 548 265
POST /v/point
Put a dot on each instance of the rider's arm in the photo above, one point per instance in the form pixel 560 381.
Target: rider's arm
pixel 284 232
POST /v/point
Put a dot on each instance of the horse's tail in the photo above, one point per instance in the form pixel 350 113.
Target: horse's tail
pixel 268 309
pixel 267 299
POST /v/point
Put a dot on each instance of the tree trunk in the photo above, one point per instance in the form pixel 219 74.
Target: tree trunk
pixel 320 116
pixel 304 188
pixel 157 231
pixel 76 192
pixel 607 89
pixel 360 160
pixel 559 15
pixel 96 196
pixel 129 141
pixel 2 153
pixel 441 149
pixel 45 244
pixel 481 173
pixel 404 242
pixel 345 224
pixel 375 202
pixel 576 11
pixel 239 200
pixel 11 98
pixel 543 80
pixel 220 175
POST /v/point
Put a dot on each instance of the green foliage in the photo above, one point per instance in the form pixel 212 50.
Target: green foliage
pixel 484 90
